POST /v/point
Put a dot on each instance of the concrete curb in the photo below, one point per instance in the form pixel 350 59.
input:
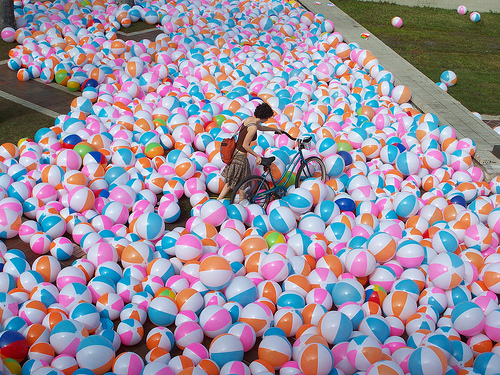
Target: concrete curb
pixel 426 95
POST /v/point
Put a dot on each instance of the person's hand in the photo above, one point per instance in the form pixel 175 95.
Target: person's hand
pixel 258 159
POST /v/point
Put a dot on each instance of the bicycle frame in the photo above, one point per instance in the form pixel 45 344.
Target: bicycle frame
pixel 281 182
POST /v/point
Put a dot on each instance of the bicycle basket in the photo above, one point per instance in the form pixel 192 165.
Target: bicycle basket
pixel 305 142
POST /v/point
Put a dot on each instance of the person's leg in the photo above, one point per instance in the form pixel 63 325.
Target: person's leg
pixel 223 192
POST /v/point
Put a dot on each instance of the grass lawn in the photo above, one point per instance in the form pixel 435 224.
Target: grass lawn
pixel 434 40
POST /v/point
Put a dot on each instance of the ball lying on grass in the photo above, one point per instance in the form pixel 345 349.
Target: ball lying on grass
pixel 397 22
pixel 449 78
pixel 475 17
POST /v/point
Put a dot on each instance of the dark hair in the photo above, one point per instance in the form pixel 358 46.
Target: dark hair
pixel 263 111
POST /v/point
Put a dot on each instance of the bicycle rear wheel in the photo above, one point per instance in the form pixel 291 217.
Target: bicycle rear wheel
pixel 254 189
pixel 313 167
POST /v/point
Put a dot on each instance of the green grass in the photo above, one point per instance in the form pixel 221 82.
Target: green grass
pixel 434 40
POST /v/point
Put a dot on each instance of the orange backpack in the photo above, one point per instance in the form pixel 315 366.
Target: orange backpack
pixel 227 147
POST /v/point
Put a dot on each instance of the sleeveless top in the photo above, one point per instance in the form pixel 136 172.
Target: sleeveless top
pixel 241 137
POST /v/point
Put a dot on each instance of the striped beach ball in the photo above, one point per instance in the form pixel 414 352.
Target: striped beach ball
pixel 225 348
pixel 448 77
pixel 427 360
pixel 468 318
pixel 81 199
pixel 446 271
pixel 96 354
pixel 128 363
pixel 363 351
pixel 215 272
pixel 475 17
pixel 385 367
pixel 282 219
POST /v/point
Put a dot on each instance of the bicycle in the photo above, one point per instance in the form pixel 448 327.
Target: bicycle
pixel 256 189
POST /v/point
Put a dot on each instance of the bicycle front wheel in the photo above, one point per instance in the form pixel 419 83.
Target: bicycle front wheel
pixel 313 167
pixel 254 189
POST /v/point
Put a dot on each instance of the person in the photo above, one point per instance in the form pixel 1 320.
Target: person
pixel 239 168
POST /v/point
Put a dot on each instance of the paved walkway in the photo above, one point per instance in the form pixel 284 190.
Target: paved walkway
pixel 426 95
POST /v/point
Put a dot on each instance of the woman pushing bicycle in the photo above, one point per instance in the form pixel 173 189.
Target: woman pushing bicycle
pixel 239 168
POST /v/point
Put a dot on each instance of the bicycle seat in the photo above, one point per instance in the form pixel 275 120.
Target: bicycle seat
pixel 266 162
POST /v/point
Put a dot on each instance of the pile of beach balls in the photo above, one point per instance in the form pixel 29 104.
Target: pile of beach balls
pixel 389 266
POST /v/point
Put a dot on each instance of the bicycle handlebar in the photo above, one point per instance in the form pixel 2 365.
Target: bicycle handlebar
pixel 288 135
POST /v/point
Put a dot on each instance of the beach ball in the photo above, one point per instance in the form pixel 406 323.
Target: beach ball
pixel 315 359
pixel 149 226
pixel 258 315
pixel 461 355
pixel 300 200
pixel 461 9
pixel 87 314
pixel 446 271
pixel 213 212
pixel 215 320
pixel 225 348
pixel 275 267
pixel 245 333
pixel 405 204
pixel 162 311
pixel 334 165
pixel 427 360
pixel 241 290
pixel 449 78
pixel 385 367
pixel 188 248
pixel 375 326
pixel 185 333
pixel 399 304
pixel 215 272
pixel 475 17
pixel 66 335
pixel 363 351
pixel 8 34
pixel 360 262
pixel 408 163
pixel 161 337
pixel 130 331
pixel 491 325
pixel 487 363
pixel 468 318
pixel 128 363
pixel 397 22
pixel 81 199
pixel 10 222
pixel 13 345
pixel 275 349
pixel 348 290
pixel 110 305
pixel 282 219
pixel 335 327
pixel 96 354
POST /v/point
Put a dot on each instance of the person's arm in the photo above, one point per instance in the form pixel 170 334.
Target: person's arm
pixel 251 130
pixel 268 129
